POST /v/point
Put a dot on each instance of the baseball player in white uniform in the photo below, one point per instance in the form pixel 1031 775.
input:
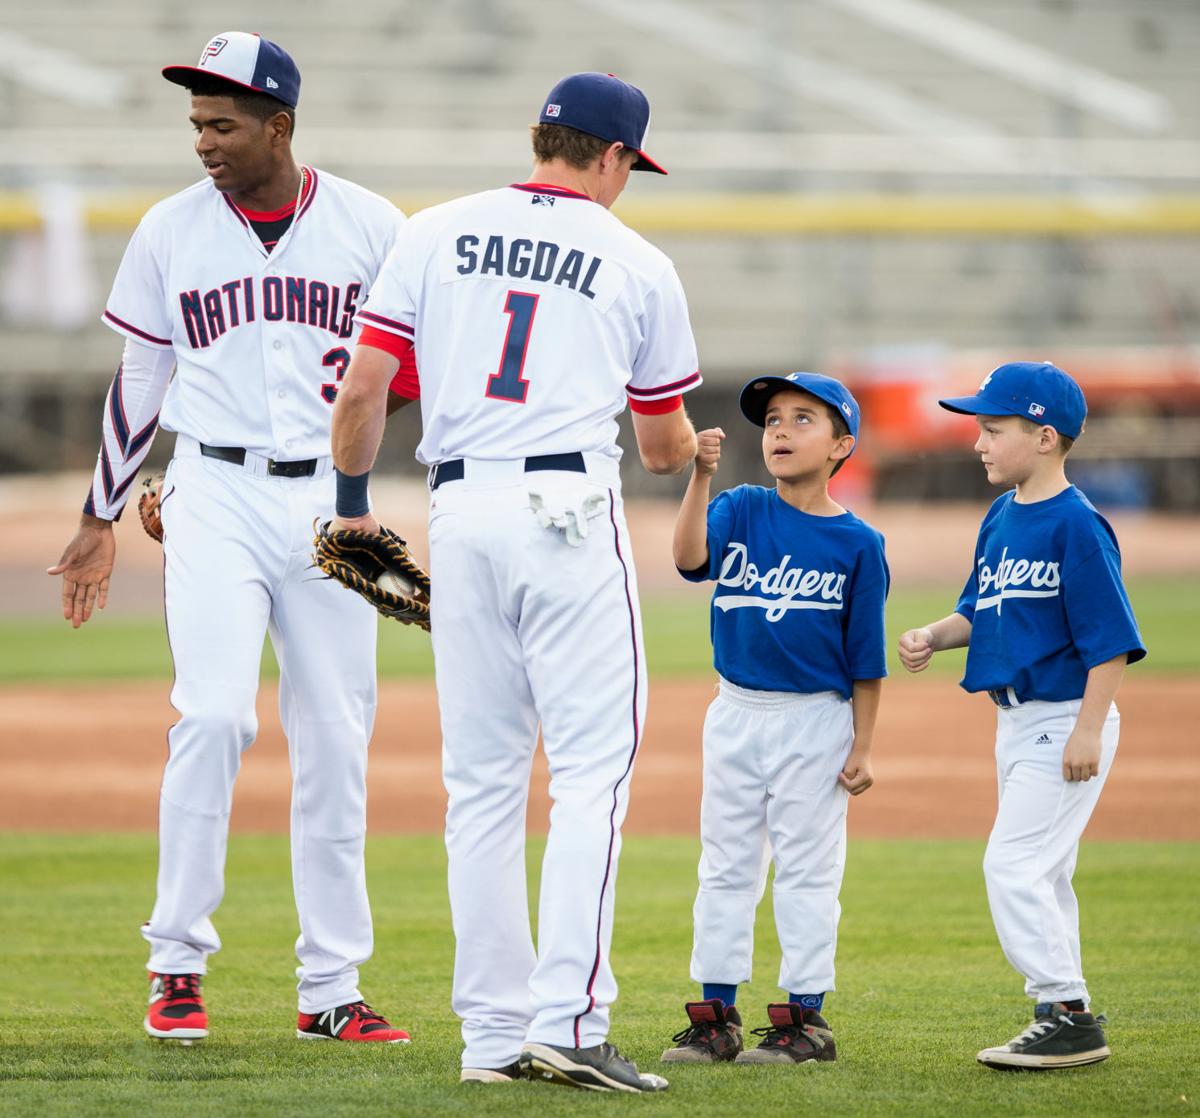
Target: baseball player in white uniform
pixel 535 315
pixel 246 285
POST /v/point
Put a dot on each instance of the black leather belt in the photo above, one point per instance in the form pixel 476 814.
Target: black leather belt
pixel 1001 698
pixel 237 455
pixel 455 469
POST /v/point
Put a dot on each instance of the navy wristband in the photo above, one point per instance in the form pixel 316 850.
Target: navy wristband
pixel 352 494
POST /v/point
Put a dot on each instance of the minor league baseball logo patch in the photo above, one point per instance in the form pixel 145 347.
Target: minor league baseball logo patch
pixel 553 110
pixel 845 407
pixel 543 200
pixel 1037 410
pixel 213 49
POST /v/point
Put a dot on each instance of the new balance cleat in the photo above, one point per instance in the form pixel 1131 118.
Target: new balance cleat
pixel 599 1068
pixel 356 1022
pixel 176 1008
pixel 795 1036
pixel 1058 1038
pixel 714 1034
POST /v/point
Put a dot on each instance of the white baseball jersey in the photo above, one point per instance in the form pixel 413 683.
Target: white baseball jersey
pixel 537 272
pixel 258 342
pixel 260 339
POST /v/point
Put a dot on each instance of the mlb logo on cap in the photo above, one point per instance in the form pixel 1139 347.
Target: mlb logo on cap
pixel 1037 410
pixel 244 60
pixel 553 110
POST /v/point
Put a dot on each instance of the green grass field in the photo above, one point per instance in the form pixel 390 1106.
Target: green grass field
pixel 47 650
pixel 922 987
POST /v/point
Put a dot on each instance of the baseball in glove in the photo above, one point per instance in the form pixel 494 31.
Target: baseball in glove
pixel 379 567
pixel 148 506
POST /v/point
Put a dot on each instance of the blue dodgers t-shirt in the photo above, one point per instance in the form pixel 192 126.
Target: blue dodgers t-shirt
pixel 799 599
pixel 1045 599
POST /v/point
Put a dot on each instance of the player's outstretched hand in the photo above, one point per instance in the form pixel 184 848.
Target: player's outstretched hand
pixel 856 776
pixel 86 566
pixel 916 649
pixel 708 451
pixel 1081 757
pixel 365 523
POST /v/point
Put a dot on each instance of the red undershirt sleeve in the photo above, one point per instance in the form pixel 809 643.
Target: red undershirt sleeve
pixel 406 382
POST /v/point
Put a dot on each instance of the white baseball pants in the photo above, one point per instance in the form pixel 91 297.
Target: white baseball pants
pixel 237 565
pixel 529 629
pixel 771 763
pixel 1031 853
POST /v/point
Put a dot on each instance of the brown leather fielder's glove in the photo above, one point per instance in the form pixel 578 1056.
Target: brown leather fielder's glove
pixel 148 506
pixel 379 567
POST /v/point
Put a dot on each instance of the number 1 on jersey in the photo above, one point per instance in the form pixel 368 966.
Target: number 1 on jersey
pixel 508 384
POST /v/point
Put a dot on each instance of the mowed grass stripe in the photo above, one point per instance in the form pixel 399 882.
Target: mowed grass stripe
pixel 677 641
pixel 922 986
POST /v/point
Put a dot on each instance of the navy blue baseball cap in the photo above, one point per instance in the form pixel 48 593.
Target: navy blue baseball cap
pixel 757 393
pixel 1034 390
pixel 250 61
pixel 605 107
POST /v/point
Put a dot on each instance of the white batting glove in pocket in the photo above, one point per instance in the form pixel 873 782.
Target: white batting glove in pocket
pixel 568 510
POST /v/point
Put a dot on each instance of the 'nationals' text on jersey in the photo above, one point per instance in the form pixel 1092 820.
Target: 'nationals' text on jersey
pixel 260 338
pixel 281 298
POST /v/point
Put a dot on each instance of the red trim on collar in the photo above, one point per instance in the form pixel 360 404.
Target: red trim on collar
pixel 269 215
pixel 297 206
pixel 546 188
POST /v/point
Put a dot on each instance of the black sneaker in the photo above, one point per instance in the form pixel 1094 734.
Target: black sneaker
pixel 1058 1038
pixel 795 1036
pixel 510 1073
pixel 715 1034
pixel 599 1068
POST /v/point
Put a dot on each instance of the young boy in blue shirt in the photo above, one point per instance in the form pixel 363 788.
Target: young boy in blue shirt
pixel 1048 630
pixel 798 643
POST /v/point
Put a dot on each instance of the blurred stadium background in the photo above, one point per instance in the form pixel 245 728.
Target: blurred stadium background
pixel 901 192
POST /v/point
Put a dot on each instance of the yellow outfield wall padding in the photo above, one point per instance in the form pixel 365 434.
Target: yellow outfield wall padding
pixel 763 215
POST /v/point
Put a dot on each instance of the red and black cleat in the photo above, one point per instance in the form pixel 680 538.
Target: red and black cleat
pixel 357 1021
pixel 794 1036
pixel 176 1008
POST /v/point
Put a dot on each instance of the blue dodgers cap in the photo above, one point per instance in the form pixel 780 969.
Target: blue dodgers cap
pixel 757 393
pixel 247 60
pixel 603 106
pixel 1034 390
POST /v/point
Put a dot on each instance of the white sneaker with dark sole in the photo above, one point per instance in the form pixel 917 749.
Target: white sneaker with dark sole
pixel 599 1068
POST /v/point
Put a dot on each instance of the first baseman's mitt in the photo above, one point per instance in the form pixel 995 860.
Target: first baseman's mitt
pixel 379 567
pixel 148 506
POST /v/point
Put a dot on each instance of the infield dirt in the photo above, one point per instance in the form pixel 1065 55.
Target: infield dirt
pixel 91 759
pixel 86 758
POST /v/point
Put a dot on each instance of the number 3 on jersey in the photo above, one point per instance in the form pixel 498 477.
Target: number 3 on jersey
pixel 337 360
pixel 508 384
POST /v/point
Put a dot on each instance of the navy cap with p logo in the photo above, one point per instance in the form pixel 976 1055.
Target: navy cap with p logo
pixel 245 60
pixel 603 106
